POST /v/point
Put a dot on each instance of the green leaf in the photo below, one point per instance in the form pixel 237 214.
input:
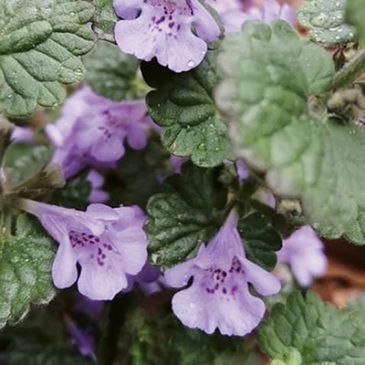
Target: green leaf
pixel 355 14
pixel 104 19
pixel 23 160
pixel 183 105
pixel 25 270
pixel 325 20
pixel 271 74
pixel 321 333
pixel 185 214
pixel 260 240
pixel 41 42
pixel 111 73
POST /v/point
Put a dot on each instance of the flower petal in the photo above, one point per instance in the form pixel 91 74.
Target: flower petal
pixel 206 27
pixel 132 215
pixel 236 315
pixel 105 150
pixel 127 9
pixel 64 271
pixel 101 282
pixel 96 180
pixel 263 282
pixel 132 246
pixel 102 211
pixel 98 196
pixel 179 275
pixel 136 136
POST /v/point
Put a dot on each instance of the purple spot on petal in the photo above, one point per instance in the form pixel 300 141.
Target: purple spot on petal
pixel 162 19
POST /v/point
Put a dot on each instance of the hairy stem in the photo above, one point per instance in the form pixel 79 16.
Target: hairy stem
pixel 351 71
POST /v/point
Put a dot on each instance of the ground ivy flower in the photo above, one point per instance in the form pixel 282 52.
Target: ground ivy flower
pixel 219 296
pixel 92 131
pixel 303 251
pixel 164 29
pixel 108 243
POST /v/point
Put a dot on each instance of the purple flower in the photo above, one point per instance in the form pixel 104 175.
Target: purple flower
pixel 303 251
pixel 233 18
pixel 22 134
pixel 108 243
pixel 92 131
pixel 219 296
pixel 97 195
pixel 73 108
pixel 164 29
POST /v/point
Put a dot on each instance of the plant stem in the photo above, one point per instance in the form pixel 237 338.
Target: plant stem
pixel 351 71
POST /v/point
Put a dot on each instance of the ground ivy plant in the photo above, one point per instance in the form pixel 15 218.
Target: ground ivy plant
pixel 169 173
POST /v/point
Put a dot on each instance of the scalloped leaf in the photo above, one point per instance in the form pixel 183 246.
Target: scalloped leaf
pixel 183 105
pixel 307 331
pixel 111 73
pixel 325 20
pixel 25 270
pixel 41 42
pixel 260 240
pixel 185 214
pixel 271 74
